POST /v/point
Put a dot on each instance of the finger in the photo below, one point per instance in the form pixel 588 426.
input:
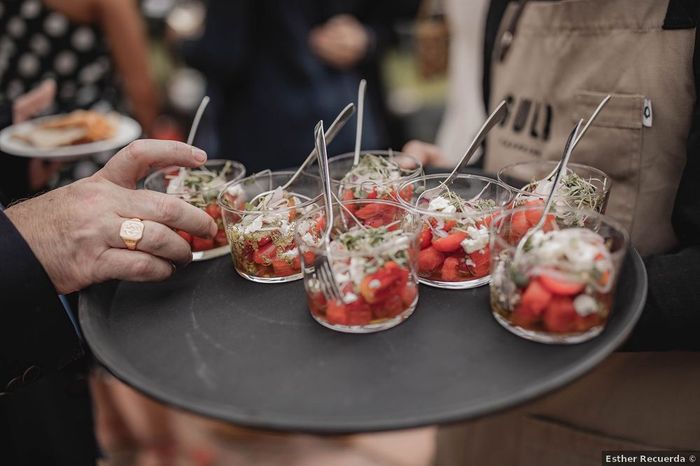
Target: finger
pixel 157 240
pixel 133 266
pixel 34 101
pixel 134 161
pixel 168 210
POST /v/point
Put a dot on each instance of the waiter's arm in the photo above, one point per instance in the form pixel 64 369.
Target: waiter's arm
pixel 36 335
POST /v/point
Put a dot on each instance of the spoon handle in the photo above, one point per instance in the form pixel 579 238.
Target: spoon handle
pixel 568 149
pixel 360 119
pixel 325 173
pixel 333 130
pixel 197 118
pixel 495 118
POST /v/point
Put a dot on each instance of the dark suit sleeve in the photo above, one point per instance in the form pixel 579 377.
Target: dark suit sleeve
pixel 36 335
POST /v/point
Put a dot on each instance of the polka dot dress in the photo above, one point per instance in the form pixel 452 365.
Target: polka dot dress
pixel 37 43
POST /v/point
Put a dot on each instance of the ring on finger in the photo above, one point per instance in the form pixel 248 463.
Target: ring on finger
pixel 131 232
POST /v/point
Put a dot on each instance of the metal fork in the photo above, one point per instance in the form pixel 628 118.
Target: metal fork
pixel 322 263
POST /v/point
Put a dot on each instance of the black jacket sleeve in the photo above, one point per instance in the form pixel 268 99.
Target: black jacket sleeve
pixel 36 335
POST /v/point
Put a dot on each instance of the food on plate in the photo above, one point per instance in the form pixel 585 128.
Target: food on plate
pixel 77 127
pixel 262 237
pixel 373 268
pixel 454 241
pixel 559 283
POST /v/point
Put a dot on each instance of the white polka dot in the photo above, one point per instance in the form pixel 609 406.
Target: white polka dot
pixel 92 73
pixel 16 27
pixel 67 91
pixel 28 65
pixel 31 8
pixel 83 39
pixel 56 24
pixel 15 89
pixel 40 44
pixel 65 62
pixel 86 95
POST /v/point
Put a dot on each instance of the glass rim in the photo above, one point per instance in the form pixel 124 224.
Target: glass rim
pixel 486 179
pixel 377 249
pixel 603 218
pixel 415 172
pixel 162 171
pixel 601 173
pixel 224 204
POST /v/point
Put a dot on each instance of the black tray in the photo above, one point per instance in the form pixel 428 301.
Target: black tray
pixel 213 343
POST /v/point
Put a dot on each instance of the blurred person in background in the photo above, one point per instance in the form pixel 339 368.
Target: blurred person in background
pixel 275 68
pixel 92 49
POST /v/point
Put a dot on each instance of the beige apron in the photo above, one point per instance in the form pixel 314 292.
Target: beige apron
pixel 565 57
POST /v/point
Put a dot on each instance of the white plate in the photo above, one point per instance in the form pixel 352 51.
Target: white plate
pixel 127 131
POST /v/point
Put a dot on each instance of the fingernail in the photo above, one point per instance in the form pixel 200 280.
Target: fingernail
pixel 200 155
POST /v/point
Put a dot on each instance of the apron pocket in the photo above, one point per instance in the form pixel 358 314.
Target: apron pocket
pixel 613 144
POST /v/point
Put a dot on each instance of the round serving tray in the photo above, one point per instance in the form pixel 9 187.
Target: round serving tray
pixel 213 343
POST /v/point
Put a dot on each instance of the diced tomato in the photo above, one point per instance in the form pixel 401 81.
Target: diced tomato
pixel 213 210
pixel 264 255
pixel 426 237
pixel 449 243
pixel 316 302
pixel 536 297
pixel 560 315
pixel 391 307
pixel 429 260
pixel 186 236
pixel 519 225
pixel 407 193
pixel 336 314
pixel 220 238
pixel 409 293
pixel 561 287
pixel 524 316
pixel 263 241
pixel 387 281
pixel 358 313
pixel 533 214
pixel 283 268
pixel 202 244
pixel 369 211
pixel 449 270
pixel 372 194
pixel 482 262
pixel 449 224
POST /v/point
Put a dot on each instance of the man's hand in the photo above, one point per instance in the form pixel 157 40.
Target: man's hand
pixel 74 231
pixel 341 42
pixel 428 154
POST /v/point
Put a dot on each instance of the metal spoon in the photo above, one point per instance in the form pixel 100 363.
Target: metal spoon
pixel 360 119
pixel 568 149
pixel 197 118
pixel 495 118
pixel 333 130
